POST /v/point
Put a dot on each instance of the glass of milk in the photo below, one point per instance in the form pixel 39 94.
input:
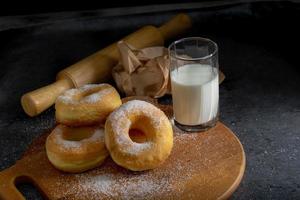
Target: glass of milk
pixel 195 83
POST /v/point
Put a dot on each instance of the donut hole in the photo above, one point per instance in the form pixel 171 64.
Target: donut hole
pixel 137 136
pixel 77 133
pixel 141 130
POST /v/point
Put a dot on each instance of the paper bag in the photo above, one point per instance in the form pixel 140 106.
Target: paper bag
pixel 143 72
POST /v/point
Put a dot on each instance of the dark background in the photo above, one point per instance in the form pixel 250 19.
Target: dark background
pixel 34 7
pixel 15 7
pixel 258 52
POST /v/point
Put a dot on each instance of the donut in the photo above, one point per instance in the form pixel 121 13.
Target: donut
pixel 87 105
pixel 76 149
pixel 145 119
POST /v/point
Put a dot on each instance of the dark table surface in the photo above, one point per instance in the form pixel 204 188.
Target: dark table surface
pixel 259 99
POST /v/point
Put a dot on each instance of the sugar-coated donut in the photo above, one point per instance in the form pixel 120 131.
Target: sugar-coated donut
pixel 76 149
pixel 87 105
pixel 146 118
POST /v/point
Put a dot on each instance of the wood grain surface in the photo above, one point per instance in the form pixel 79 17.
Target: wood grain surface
pixel 206 165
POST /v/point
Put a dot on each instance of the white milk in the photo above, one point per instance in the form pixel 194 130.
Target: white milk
pixel 195 91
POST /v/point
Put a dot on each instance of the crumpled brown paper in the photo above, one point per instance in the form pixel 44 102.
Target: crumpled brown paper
pixel 142 72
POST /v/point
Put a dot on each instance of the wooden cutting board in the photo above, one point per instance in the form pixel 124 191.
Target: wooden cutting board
pixel 206 165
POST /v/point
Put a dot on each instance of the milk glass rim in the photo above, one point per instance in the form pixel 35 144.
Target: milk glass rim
pixel 193 38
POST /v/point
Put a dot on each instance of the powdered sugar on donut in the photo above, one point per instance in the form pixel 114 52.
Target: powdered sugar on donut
pixel 98 135
pixel 68 97
pixel 139 147
pixel 143 107
pixel 93 98
pixel 121 124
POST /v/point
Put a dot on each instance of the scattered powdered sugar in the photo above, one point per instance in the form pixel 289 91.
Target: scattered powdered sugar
pixel 68 97
pixel 192 166
pixel 192 163
pixel 128 187
pixel 166 182
pixel 103 183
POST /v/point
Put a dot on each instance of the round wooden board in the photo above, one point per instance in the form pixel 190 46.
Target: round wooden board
pixel 206 165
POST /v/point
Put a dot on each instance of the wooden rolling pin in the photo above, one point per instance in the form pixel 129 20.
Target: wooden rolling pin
pixel 97 67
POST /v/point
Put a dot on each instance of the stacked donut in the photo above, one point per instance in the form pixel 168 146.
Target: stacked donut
pixel 77 143
pixel 93 123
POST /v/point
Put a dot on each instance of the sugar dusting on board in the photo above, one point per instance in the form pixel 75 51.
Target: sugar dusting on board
pixel 131 187
pixel 194 161
pixel 168 181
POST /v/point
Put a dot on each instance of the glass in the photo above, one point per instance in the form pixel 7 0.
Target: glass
pixel 195 83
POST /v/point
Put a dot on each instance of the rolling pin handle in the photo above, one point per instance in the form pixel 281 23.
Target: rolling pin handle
pixel 176 26
pixel 98 66
pixel 39 100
